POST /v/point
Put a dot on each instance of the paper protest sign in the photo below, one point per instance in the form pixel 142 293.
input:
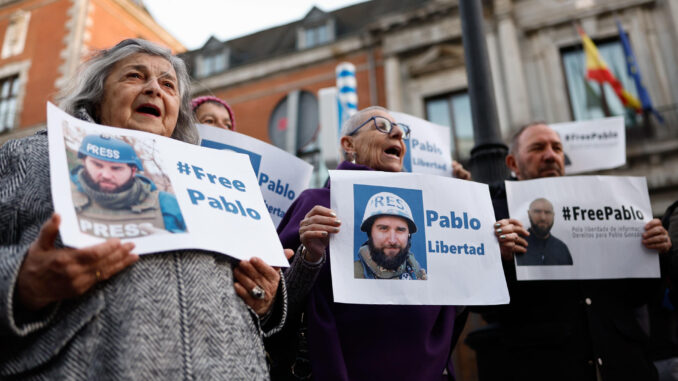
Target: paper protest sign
pixel 428 148
pixel 282 176
pixel 431 241
pixel 593 145
pixel 160 193
pixel 583 227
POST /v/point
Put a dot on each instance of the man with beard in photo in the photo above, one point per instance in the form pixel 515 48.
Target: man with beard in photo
pixel 386 254
pixel 543 249
pixel 111 198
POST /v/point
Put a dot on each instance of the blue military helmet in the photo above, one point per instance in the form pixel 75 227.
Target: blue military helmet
pixel 106 148
pixel 387 204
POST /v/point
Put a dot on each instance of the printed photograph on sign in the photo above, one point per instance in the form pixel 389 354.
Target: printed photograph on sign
pixel 543 248
pixel 389 243
pixel 118 187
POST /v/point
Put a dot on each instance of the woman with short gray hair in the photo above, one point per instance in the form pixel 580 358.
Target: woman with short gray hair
pixel 101 312
pixel 328 340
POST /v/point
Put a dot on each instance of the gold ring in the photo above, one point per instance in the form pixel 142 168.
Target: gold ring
pixel 97 274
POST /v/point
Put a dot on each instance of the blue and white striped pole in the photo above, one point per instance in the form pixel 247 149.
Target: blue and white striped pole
pixel 347 95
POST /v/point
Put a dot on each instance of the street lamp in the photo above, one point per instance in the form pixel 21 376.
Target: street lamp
pixel 487 157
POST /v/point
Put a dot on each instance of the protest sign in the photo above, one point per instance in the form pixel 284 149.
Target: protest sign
pixel 428 149
pixel 592 145
pixel 282 176
pixel 583 227
pixel 160 193
pixel 432 241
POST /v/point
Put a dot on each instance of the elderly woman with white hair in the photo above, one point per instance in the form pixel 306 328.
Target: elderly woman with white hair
pixel 102 312
pixel 354 341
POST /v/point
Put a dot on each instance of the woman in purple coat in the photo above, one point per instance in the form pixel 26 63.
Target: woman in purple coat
pixel 355 341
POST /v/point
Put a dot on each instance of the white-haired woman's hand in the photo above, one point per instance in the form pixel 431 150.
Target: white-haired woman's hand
pixel 50 274
pixel 315 230
pixel 254 273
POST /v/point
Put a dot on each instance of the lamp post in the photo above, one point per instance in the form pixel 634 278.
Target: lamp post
pixel 487 157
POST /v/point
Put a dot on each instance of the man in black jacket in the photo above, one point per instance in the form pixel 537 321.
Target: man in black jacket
pixel 561 330
pixel 662 311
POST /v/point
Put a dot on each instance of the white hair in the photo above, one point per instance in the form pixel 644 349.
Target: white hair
pixel 357 119
pixel 86 90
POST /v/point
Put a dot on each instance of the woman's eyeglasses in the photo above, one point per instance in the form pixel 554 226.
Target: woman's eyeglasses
pixel 386 126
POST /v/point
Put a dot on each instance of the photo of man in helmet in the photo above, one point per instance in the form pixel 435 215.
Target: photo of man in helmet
pixel 112 199
pixel 389 226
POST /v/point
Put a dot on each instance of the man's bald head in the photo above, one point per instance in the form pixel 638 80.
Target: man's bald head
pixel 536 151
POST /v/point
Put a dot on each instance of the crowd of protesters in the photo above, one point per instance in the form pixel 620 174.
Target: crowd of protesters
pixel 103 313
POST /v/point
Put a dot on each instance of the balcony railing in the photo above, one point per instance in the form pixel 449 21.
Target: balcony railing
pixel 649 128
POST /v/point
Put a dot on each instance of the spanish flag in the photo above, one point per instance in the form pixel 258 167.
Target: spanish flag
pixel 597 70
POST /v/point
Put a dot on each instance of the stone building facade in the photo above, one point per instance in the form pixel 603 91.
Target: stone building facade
pixel 258 74
pixel 409 57
pixel 44 41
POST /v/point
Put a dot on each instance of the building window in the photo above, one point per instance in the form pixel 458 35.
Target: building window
pixel 9 88
pixel 589 99
pixel 15 35
pixel 210 64
pixel 316 36
pixel 454 110
pixel 298 132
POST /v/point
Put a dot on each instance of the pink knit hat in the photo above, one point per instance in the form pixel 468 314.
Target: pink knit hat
pixel 196 102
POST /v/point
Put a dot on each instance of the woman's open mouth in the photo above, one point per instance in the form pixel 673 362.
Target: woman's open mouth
pixel 393 151
pixel 148 109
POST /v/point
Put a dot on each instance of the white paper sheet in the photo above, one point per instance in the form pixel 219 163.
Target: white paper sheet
pixel 593 145
pixel 282 176
pixel 600 219
pixel 220 206
pixel 454 241
pixel 428 149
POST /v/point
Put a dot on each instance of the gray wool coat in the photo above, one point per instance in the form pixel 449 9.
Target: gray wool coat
pixel 170 316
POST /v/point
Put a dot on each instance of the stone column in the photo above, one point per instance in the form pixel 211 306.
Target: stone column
pixel 512 64
pixel 672 6
pixel 74 41
pixel 498 83
pixel 487 157
pixel 394 94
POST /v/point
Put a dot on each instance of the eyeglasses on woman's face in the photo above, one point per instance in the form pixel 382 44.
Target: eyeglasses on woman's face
pixel 386 126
